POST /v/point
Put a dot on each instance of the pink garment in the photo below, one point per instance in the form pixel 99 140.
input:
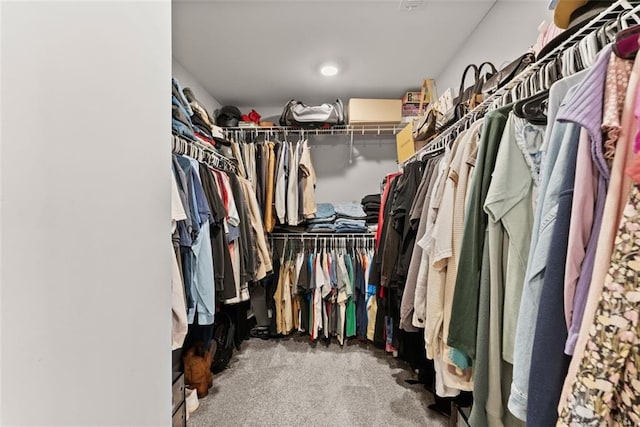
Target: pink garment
pixel 634 169
pixel 586 179
pixel 636 146
pixel 615 92
pixel 383 201
pixel 582 209
pixel 617 196
pixel 547 32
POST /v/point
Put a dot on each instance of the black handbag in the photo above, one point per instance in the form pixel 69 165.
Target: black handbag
pixel 468 98
pixel 461 102
pixel 505 75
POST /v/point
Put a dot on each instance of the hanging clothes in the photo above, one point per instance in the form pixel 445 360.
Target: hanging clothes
pixel 617 195
pixel 321 289
pixel 178 304
pixel 507 273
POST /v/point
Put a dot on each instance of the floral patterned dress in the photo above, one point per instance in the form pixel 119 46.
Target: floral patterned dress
pixel 607 388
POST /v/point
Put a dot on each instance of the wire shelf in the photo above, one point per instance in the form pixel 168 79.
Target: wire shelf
pixel 346 130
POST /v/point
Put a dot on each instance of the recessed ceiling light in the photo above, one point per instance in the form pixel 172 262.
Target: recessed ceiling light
pixel 329 70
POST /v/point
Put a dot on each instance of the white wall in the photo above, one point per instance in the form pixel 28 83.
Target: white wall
pixel 340 181
pixel 85 169
pixel 507 32
pixel 187 79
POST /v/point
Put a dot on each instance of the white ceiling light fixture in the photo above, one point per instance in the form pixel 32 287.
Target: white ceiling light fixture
pixel 329 70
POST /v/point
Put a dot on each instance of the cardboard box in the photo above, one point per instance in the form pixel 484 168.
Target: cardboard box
pixel 417 145
pixel 413 110
pixel 413 98
pixel 409 119
pixel 375 111
pixel 430 93
pixel 404 143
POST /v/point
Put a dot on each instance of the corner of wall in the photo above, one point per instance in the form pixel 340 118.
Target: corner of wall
pixel 187 79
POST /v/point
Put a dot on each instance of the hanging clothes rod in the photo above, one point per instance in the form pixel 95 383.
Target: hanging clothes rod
pixel 532 72
pixel 313 236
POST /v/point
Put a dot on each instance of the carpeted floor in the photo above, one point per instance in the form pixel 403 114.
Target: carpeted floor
pixel 291 382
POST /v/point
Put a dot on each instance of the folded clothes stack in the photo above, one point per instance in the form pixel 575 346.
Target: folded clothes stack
pixel 346 225
pixel 350 210
pixel 348 222
pixel 181 113
pixel 191 120
pixel 339 218
pixel 350 218
pixel 371 205
pixel 324 219
pixel 322 227
pixel 202 121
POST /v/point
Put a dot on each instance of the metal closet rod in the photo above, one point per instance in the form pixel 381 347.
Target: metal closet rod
pixel 321 235
pixel 596 23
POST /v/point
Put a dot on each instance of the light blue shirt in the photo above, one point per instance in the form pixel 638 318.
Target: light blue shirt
pixel 558 139
pixel 203 287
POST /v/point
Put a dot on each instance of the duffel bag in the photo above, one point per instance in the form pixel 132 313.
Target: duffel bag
pixel 298 114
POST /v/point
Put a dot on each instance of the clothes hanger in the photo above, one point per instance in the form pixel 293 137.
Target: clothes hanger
pixel 533 109
pixel 566 60
pixel 552 73
pixel 539 80
pixel 501 102
pixel 527 90
pixel 592 47
pixel 628 18
pixel 533 84
pixel 523 91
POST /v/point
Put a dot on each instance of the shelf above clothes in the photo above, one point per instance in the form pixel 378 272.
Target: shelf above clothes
pixel 344 130
pixel 352 131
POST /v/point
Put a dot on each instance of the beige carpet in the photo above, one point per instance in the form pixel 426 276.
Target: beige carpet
pixel 291 382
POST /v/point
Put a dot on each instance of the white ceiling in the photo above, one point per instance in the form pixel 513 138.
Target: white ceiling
pixel 264 52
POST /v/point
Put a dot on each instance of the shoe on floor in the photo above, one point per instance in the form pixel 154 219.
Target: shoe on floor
pixel 260 332
pixel 195 372
pixel 191 400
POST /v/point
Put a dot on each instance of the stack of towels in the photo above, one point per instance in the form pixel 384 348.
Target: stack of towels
pixel 371 205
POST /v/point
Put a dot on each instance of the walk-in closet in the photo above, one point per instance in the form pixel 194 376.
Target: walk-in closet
pixel 345 213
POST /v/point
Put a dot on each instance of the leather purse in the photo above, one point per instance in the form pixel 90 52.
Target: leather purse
pixel 424 128
pixel 478 94
pixel 470 97
pixel 506 74
pixel 461 102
